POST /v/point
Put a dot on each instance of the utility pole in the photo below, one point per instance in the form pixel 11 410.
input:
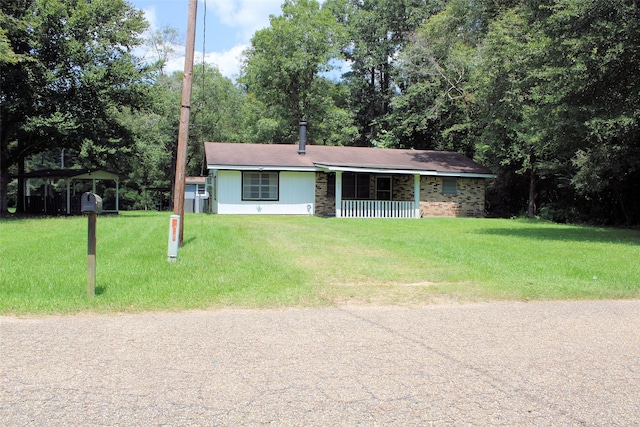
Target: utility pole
pixel 185 109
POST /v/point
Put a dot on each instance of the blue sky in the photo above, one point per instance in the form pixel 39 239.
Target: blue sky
pixel 229 25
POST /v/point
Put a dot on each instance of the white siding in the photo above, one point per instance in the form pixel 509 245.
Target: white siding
pixel 193 201
pixel 190 191
pixel 296 195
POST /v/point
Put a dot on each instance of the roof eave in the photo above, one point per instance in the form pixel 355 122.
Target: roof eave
pixel 262 168
pixel 334 168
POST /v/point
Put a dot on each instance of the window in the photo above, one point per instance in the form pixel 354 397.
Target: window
pixel 331 185
pixel 260 186
pixel 355 186
pixel 383 188
pixel 449 185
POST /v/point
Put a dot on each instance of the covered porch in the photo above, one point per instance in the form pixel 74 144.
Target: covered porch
pixel 379 199
pixel 372 193
pixel 362 192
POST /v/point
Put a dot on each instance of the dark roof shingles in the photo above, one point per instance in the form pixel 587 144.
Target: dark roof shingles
pixel 236 154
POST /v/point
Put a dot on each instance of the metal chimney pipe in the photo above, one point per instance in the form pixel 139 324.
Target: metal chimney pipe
pixel 302 140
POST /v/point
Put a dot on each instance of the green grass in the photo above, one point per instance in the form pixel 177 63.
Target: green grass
pixel 258 261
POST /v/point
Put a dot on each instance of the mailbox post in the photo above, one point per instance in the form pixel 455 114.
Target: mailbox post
pixel 91 204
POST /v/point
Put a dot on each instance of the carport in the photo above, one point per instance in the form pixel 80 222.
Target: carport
pixel 53 201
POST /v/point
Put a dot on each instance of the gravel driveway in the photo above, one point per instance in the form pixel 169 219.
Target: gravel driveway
pixel 537 363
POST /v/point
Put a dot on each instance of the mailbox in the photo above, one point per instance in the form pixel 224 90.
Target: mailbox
pixel 91 203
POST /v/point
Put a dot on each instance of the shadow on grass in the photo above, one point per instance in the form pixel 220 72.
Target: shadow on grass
pixel 121 214
pixel 578 234
pixel 188 241
pixel 24 217
pixel 100 290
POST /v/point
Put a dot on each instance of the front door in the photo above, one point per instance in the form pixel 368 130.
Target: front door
pixel 383 188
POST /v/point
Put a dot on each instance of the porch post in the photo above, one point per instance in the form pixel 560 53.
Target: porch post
pixel 416 195
pixel 338 194
pixel 46 193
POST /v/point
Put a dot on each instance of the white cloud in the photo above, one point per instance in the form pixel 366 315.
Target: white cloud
pixel 244 16
pixel 176 63
pixel 247 16
pixel 152 18
pixel 227 62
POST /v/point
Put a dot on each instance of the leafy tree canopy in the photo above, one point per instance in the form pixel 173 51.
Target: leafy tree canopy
pixel 68 69
pixel 283 64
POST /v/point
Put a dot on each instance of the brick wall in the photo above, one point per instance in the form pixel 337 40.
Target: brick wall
pixel 468 200
pixel 402 187
pixel 325 206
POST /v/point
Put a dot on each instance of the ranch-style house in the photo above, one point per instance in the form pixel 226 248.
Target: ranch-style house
pixel 363 182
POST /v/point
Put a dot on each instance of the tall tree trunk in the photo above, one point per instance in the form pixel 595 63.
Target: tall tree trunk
pixel 4 177
pixel 627 218
pixel 372 105
pixel 385 83
pixel 533 187
pixel 20 207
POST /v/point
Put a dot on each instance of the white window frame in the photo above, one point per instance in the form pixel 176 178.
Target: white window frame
pixel 268 191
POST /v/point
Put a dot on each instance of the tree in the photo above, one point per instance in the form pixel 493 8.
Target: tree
pixel 162 43
pixel 218 114
pixel 283 64
pixel 220 111
pixel 505 83
pixel 596 53
pixel 436 107
pixel 378 30
pixel 558 90
pixel 151 165
pixel 76 70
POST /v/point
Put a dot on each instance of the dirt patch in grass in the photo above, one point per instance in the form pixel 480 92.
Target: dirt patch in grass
pixel 388 285
pixel 409 294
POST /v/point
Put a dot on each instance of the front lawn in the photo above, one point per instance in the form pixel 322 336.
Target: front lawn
pixel 258 261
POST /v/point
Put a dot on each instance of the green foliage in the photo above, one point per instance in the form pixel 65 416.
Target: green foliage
pixel 545 90
pixel 283 64
pixel 578 116
pixel 75 72
pixel 546 93
pixel 219 112
pixel 378 30
pixel 255 261
pixel 162 42
pixel 437 107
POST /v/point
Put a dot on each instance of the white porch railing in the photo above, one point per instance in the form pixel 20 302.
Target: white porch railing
pixel 377 209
